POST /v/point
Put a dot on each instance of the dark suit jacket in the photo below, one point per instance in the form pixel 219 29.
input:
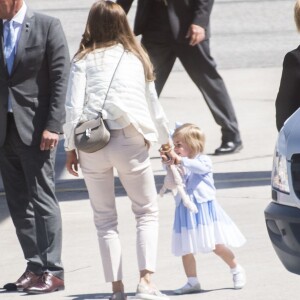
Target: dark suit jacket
pixel 182 13
pixel 288 98
pixel 38 80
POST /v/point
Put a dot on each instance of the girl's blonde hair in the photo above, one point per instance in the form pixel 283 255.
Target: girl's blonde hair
pixel 297 14
pixel 107 25
pixel 192 135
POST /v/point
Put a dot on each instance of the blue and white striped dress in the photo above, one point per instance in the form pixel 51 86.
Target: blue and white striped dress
pixel 200 232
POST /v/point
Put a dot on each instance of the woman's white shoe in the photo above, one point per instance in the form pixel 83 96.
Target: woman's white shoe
pixel 144 292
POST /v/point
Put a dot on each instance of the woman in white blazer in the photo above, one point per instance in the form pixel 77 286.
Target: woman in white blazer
pixel 135 119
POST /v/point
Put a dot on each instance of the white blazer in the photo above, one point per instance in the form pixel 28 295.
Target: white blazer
pixel 130 100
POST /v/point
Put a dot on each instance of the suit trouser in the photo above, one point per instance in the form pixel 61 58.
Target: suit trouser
pixel 201 67
pixel 127 152
pixel 28 178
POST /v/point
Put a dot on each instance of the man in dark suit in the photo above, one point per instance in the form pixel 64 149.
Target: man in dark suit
pixel 34 67
pixel 288 97
pixel 173 28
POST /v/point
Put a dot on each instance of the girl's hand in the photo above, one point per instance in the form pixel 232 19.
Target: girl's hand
pixel 168 155
pixel 166 159
pixel 176 159
pixel 72 162
pixel 164 151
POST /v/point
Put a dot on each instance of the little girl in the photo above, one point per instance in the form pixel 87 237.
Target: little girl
pixel 210 229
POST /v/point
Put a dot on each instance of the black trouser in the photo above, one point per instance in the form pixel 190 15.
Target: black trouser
pixel 201 67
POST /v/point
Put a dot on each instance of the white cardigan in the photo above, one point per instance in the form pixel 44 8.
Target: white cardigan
pixel 131 100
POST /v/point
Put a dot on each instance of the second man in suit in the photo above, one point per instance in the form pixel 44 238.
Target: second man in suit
pixel 172 29
pixel 34 67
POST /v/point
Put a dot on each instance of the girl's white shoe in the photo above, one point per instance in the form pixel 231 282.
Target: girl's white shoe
pixel 188 289
pixel 238 277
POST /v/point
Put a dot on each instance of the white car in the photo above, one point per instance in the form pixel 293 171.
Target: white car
pixel 282 215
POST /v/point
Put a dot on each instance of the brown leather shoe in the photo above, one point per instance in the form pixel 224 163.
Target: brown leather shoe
pixel 27 279
pixel 47 283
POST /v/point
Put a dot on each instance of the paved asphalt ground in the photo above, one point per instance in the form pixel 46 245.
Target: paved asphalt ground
pixel 249 40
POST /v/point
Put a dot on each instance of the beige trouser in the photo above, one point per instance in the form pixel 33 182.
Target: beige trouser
pixel 126 151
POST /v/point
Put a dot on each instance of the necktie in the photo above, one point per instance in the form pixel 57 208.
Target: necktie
pixel 9 47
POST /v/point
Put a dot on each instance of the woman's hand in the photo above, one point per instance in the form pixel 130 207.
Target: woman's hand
pixel 72 162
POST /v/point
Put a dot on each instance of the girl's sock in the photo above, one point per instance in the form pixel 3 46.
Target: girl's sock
pixel 236 269
pixel 193 280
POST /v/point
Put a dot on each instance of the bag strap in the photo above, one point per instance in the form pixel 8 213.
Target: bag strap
pixel 111 81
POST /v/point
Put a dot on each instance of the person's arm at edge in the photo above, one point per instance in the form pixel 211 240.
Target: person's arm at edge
pixel 197 30
pixel 58 61
pixel 74 107
pixel 202 11
pixel 288 97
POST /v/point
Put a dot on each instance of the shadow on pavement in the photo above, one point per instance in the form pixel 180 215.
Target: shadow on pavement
pixel 97 296
pixel 75 189
pixel 132 295
pixel 222 181
pixel 230 180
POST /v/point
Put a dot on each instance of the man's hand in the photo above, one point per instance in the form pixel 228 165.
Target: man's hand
pixel 196 34
pixel 72 163
pixel 49 140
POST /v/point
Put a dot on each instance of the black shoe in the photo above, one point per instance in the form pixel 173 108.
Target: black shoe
pixel 228 148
